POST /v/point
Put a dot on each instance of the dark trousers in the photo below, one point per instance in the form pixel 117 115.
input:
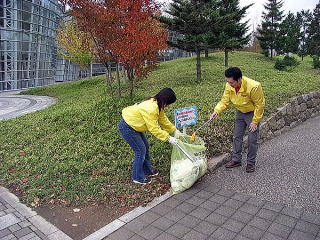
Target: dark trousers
pixel 243 121
pixel 138 142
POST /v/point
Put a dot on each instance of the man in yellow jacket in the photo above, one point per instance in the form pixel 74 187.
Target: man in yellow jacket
pixel 248 98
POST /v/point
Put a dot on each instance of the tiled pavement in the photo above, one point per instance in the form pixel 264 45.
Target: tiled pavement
pixel 16 226
pixel 209 212
pixel 19 222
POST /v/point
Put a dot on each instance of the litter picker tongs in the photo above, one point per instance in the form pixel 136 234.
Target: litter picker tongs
pixel 189 155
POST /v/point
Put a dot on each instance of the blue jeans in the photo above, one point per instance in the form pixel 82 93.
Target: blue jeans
pixel 138 142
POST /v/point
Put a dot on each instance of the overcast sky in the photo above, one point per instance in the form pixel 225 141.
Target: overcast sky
pixel 255 12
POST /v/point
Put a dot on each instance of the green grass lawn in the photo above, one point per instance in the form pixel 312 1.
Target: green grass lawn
pixel 71 152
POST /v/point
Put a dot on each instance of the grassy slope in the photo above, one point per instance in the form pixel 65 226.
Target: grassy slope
pixel 71 152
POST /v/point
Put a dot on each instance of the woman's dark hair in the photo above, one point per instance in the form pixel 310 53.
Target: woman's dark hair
pixel 233 72
pixel 165 97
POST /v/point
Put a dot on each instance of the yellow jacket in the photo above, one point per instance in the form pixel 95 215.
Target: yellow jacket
pixel 146 116
pixel 249 98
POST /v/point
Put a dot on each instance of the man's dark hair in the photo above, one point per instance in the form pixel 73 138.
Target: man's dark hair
pixel 233 72
pixel 165 97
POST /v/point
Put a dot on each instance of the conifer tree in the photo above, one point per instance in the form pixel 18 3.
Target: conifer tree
pixel 269 31
pixel 313 42
pixel 289 35
pixel 192 19
pixel 233 33
pixel 304 17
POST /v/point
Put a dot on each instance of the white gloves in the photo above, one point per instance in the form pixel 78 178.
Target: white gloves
pixel 177 133
pixel 172 141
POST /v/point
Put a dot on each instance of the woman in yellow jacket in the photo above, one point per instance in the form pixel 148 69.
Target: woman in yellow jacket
pixel 147 116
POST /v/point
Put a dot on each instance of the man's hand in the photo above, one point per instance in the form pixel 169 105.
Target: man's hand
pixel 214 115
pixel 253 127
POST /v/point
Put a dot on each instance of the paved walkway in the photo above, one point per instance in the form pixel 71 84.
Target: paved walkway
pixel 19 222
pixel 278 201
pixel 12 105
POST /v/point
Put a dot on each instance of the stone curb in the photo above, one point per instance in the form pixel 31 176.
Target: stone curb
pixel 49 230
pixel 118 223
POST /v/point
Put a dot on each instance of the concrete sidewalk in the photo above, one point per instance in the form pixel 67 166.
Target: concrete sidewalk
pixel 279 201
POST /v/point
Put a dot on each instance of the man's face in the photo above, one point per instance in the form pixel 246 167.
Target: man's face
pixel 233 83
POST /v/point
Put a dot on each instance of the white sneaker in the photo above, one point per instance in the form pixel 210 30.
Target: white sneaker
pixel 144 182
pixel 155 173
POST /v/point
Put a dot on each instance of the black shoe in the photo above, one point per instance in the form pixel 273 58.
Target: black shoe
pixel 144 182
pixel 155 173
pixel 233 164
pixel 250 168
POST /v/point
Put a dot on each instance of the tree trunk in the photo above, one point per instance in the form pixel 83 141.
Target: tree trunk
pixel 108 77
pixel 118 80
pixel 131 81
pixel 226 58
pixel 198 66
pixel 206 53
pixel 271 53
pixel 302 55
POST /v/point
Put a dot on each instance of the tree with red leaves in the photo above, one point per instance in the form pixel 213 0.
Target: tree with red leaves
pixel 124 31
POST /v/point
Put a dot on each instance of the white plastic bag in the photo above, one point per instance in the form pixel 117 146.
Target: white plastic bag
pixel 184 172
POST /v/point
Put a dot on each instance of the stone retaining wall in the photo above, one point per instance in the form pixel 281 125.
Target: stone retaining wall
pixel 296 111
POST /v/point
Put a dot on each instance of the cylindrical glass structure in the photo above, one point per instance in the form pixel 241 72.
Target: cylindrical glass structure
pixel 28 55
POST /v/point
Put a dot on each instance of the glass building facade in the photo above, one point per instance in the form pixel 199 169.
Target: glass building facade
pixel 27 42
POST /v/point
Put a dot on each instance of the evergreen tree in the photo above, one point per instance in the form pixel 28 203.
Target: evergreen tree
pixel 269 31
pixel 313 42
pixel 192 19
pixel 232 34
pixel 289 35
pixel 304 17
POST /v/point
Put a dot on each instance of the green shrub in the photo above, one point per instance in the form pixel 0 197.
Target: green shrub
pixel 280 65
pixel 287 61
pixel 316 61
pixel 290 61
pixel 265 53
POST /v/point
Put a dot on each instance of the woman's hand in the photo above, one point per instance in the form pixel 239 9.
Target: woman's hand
pixel 173 140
